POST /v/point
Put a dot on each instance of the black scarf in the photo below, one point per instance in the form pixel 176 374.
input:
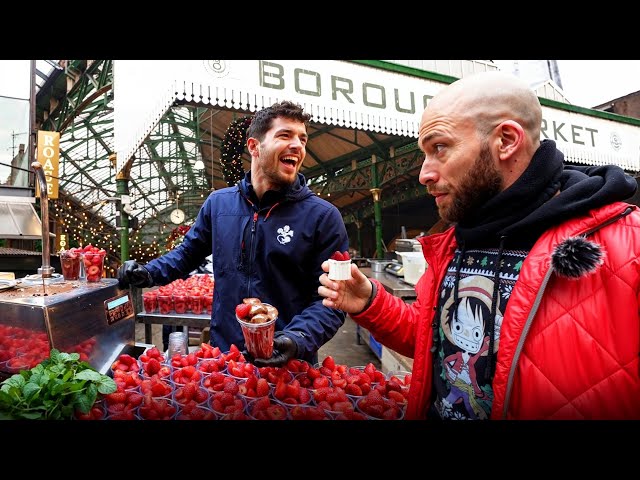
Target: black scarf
pixel 522 212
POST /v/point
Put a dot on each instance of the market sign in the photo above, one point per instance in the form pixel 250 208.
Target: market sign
pixel 49 156
pixel 334 92
pixel 62 241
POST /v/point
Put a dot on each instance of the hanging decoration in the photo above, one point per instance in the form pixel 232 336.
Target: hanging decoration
pixel 232 149
pixel 176 237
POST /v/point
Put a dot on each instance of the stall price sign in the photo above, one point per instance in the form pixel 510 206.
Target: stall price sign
pixel 118 308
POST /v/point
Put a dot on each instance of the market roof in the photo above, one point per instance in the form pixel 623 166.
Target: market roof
pixel 172 126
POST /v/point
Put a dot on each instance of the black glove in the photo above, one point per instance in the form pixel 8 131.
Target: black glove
pixel 284 349
pixel 130 273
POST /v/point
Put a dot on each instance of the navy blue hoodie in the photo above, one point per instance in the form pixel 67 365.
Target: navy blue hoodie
pixel 271 250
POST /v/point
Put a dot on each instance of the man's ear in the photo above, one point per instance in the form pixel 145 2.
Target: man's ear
pixel 511 139
pixel 253 145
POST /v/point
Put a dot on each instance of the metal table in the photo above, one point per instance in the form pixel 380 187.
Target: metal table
pixel 184 320
pixel 396 287
pixel 392 284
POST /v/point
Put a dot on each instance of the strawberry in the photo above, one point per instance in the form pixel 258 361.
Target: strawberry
pixel 346 256
pixel 262 388
pixel 242 310
pixel 337 256
pixel 159 390
pixel 329 363
pixel 276 412
pixel 320 382
pixel 153 366
pixel 93 270
pixel 396 397
pixel 135 399
pixel 354 390
pixel 116 397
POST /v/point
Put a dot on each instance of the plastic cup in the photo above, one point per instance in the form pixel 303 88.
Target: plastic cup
pixel 265 408
pixel 70 263
pixel 177 344
pixel 308 412
pixel 200 412
pixel 180 302
pixel 402 376
pixel 150 301
pixel 339 270
pixel 126 414
pixel 207 302
pixel 390 410
pixel 165 304
pixel 258 337
pixel 93 266
pixel 196 304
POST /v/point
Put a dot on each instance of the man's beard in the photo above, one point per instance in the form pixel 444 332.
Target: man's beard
pixel 480 184
pixel 278 180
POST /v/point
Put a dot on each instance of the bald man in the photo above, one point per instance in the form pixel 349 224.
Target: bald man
pixel 528 308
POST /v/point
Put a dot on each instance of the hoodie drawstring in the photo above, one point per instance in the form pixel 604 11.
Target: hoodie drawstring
pixel 456 283
pixel 488 373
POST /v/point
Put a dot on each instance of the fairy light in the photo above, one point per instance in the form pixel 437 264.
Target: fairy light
pixel 232 149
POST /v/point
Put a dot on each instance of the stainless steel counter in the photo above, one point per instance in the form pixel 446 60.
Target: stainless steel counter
pixel 392 284
pixel 173 319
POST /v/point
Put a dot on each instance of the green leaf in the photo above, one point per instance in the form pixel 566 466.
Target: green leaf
pixel 68 375
pixel 90 375
pixel 31 389
pixel 57 386
pixel 16 380
pixel 92 392
pixel 55 356
pixel 107 385
pixel 83 403
pixel 75 386
pixel 30 415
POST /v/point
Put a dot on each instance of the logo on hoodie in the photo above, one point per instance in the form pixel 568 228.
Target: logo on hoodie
pixel 284 234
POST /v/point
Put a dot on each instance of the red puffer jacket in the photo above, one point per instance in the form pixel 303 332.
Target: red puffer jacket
pixel 568 347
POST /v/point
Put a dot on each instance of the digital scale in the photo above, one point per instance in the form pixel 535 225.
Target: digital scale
pixel 395 268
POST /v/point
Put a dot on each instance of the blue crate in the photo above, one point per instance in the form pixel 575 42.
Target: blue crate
pixel 375 346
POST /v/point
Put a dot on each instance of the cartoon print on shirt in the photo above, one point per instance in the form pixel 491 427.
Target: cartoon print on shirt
pixel 284 234
pixel 466 331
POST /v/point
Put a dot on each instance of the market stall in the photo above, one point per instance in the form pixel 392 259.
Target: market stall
pixel 86 314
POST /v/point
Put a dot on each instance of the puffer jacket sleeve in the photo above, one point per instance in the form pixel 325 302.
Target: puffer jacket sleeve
pixel 391 320
pixel 187 256
pixel 317 324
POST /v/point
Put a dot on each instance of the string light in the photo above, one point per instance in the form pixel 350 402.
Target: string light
pixel 232 149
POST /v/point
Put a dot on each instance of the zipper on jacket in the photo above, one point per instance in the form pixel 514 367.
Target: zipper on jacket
pixel 252 244
pixel 534 310
pixel 251 253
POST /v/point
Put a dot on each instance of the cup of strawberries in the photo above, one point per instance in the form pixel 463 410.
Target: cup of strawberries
pixel 257 321
pixel 340 266
pixel 93 260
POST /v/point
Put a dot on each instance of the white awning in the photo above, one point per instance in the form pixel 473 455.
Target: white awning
pixel 340 93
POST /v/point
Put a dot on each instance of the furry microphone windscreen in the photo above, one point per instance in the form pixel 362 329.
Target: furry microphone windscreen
pixel 575 257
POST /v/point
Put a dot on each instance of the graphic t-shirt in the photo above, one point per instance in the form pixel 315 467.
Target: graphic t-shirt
pixel 462 344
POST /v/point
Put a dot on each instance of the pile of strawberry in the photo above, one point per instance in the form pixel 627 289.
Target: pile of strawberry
pixel 340 257
pixel 93 258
